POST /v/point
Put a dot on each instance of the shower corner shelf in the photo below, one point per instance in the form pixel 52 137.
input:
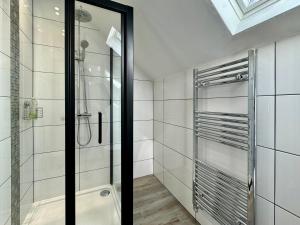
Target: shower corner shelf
pixel 225 198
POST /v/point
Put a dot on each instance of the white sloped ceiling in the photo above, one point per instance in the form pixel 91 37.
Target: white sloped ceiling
pixel 172 35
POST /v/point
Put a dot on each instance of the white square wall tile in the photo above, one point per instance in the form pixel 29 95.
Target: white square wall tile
pixel 5 5
pixel 94 158
pixel 143 90
pixel 5 75
pixel 264 212
pixel 41 9
pixel 158 131
pixel 143 130
pixel 26 77
pixel 49 59
pixel 26 145
pixel 94 178
pixel 48 165
pixel 159 90
pixel 5 203
pixel 4 117
pixel 25 51
pixel 143 110
pixel 180 139
pixel 143 168
pixel 288 182
pixel 26 176
pixel 158 110
pixel 5 33
pixel 96 39
pixel 179 166
pixel 53 113
pixel 5 160
pixel 285 218
pixel 158 171
pixel 287 66
pixel 25 12
pixel 143 150
pixel 49 85
pixel 174 87
pixel 265 121
pixel 97 87
pixel 158 152
pixel 49 138
pixel 179 112
pixel 287 123
pixel 180 191
pixel 265 74
pixel 265 173
pixel 26 203
pixel 49 188
pixel 98 65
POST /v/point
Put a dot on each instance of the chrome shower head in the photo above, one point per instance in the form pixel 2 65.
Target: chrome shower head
pixel 84 44
pixel 82 15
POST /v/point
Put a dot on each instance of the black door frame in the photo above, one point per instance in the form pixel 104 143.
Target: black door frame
pixel 126 109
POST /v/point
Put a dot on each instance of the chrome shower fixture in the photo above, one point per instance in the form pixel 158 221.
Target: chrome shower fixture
pixel 82 15
pixel 84 44
pixel 83 118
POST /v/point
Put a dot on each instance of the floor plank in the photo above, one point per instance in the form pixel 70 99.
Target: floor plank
pixel 155 205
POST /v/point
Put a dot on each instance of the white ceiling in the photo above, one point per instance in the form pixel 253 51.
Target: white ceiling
pixel 173 35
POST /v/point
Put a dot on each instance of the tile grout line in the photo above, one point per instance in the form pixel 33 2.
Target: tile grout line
pixel 275 126
pixel 163 131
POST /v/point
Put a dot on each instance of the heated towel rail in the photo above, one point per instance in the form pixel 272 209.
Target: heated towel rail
pixel 227 199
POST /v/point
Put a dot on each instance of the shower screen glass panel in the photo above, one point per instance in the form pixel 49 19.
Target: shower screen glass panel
pixel 98 114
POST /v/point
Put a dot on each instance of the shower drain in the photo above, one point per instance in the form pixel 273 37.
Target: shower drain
pixel 105 193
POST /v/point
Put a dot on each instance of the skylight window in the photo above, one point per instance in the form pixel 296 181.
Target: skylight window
pixel 240 15
pixel 249 5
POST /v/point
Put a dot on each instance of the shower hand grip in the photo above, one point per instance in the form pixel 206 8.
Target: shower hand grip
pixel 100 127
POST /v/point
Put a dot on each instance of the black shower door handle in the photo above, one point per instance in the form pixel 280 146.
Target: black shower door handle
pixel 100 127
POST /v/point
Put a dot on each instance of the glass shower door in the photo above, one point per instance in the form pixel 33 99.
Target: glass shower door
pixel 103 114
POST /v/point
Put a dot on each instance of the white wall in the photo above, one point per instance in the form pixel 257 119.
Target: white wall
pixel 5 140
pixel 26 93
pixel 278 156
pixel 143 124
pixel 48 44
pixel 93 160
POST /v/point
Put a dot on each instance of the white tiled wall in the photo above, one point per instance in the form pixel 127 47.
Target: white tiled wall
pixel 49 92
pixel 143 124
pixel 92 164
pixel 278 155
pixel 26 87
pixel 5 141
pixel 92 160
pixel 25 93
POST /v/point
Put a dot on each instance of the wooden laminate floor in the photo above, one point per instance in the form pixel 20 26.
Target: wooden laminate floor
pixel 154 205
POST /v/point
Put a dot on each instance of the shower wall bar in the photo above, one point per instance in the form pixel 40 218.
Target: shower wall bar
pixel 227 199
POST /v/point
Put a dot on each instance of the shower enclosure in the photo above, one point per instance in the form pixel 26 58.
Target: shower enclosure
pixel 113 120
pixel 66 102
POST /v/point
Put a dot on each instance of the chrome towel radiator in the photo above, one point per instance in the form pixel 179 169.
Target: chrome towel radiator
pixel 225 198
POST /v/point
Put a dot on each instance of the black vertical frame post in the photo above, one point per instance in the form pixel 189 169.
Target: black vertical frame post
pixel 70 207
pixel 127 118
pixel 126 108
pixel 111 125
